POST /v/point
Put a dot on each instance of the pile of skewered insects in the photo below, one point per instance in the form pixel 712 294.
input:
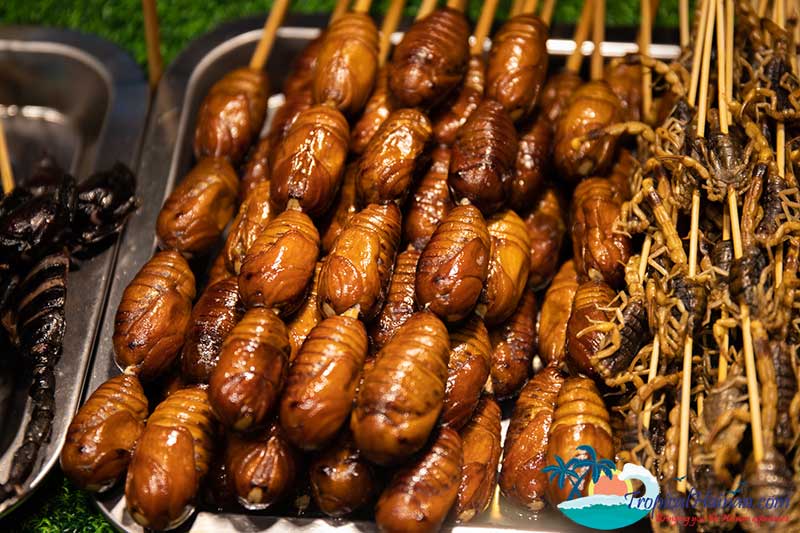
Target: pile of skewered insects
pixel 376 293
pixel 46 224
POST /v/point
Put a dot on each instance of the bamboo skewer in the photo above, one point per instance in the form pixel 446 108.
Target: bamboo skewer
pixel 702 103
pixel 516 8
pixel 390 23
pixel 722 89
pixel 339 9
pixel 271 26
pixel 780 150
pixel 362 6
pixel 645 36
pixel 598 36
pixel 548 8
pixel 530 6
pixel 683 14
pixel 458 5
pixel 581 33
pixel 6 173
pixel 729 14
pixel 155 64
pixel 698 54
pixel 425 8
pixel 483 26
pixel 722 366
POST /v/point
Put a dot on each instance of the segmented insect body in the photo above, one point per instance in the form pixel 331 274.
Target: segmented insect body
pixel 452 114
pixel 481 457
pixel 546 228
pixel 592 299
pixel 556 310
pixel 400 299
pixel 342 481
pixel 430 203
pixel 468 368
pixel 513 347
pixel 788 404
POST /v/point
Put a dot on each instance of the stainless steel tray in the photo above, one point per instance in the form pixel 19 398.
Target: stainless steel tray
pixel 167 156
pixel 84 101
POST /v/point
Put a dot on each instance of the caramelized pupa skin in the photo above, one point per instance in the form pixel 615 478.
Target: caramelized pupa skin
pixel 451 115
pixel 262 467
pixel 580 418
pixel 467 370
pixel 214 315
pixel 533 161
pixel 170 460
pixel 343 209
pixel 198 209
pixel 342 481
pixel 556 310
pixel 280 263
pixel 556 93
pixel 347 63
pixel 430 202
pixel 394 158
pixel 255 213
pixel 518 64
pixel 483 157
pixel 231 115
pixel 305 319
pixel 513 347
pixel 599 251
pixel 249 376
pixel 593 106
pixel 521 478
pixel 509 264
pixel 454 264
pixel 103 434
pixel 322 381
pixel 301 74
pixel 400 300
pixel 153 315
pixel 546 228
pixel 218 270
pixel 626 82
pixel 481 457
pixel 621 176
pixel 285 117
pixel 358 268
pixel 256 168
pixel 378 108
pixel 307 165
pixel 590 297
pixel 431 59
pixel 401 396
pixel 436 473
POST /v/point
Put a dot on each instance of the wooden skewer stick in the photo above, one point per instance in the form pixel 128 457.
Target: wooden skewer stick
pixel 530 6
pixel 390 22
pixel 6 173
pixel 155 65
pixel 340 9
pixel 598 36
pixel 426 8
pixel 683 14
pixel 654 355
pixel 722 367
pixel 362 6
pixel 762 8
pixel 747 341
pixel 516 8
pixel 483 26
pixel 780 149
pixel 458 5
pixel 548 8
pixel 271 26
pixel 645 36
pixel 723 92
pixel 581 33
pixel 697 54
pixel 729 15
pixel 702 104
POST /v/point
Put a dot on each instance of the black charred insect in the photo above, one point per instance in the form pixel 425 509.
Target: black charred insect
pixel 45 177
pixel 722 255
pixel 633 333
pixel 786 382
pixel 103 203
pixel 693 296
pixel 771 204
pixel 745 275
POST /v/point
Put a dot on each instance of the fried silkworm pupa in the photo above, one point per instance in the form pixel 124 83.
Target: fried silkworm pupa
pixel 321 384
pixel 198 209
pixel 285 117
pixel 400 299
pixel 254 215
pixel 481 457
pixel 347 63
pixel 102 436
pixel 218 270
pixel 343 209
pixel 467 371
pixel 509 264
pixel 431 59
pixel 521 478
pixel 625 81
pixel 593 106
pixel 245 385
pixel 307 164
pixel 215 314
pixel 256 168
pixel 280 263
pixel 556 93
pixel 450 116
pixel 533 159
pixel 394 158
pixel 306 318
pixel 342 481
pixel 518 64
pixel 513 347
pixel 153 315
pixel 588 305
pixel 301 73
pixel 580 419
pixel 483 157
pixel 556 310
pixel 401 396
pixel 454 264
pixel 621 175
pixel 231 115
pixel 599 251
pixel 430 202
pixel 356 272
pixel 378 108
pixel 170 460
pixel 546 229
pixel 436 473
pixel 262 467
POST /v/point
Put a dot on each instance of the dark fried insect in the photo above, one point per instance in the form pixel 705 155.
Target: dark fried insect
pixel 102 205
pixel 400 299
pixel 343 208
pixel 556 311
pixel 533 160
pixel 592 299
pixel 745 276
pixel 451 115
pixel 467 371
pixel 254 215
pixel 786 383
pixel 546 229
pixel 556 93
pixel 378 108
pixel 256 168
pixel 625 81
pixel 342 481
pixel 301 73
pixel 309 315
pixel 431 201
pixel 513 347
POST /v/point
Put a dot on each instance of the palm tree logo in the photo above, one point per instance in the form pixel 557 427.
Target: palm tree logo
pixel 577 469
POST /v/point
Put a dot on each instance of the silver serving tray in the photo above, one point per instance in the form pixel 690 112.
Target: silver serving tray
pixel 167 156
pixel 84 101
